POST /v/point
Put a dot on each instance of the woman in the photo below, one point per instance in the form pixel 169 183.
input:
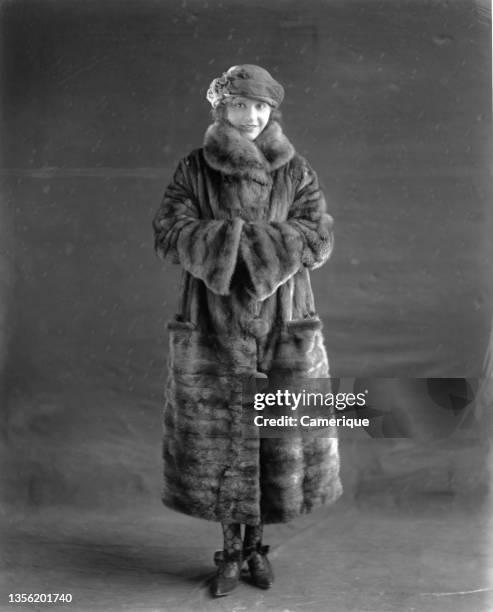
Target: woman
pixel 245 219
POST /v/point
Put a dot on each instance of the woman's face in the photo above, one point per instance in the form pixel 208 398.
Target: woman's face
pixel 247 115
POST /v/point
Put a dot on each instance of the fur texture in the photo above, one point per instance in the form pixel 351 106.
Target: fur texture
pixel 246 221
pixel 216 465
pixel 227 150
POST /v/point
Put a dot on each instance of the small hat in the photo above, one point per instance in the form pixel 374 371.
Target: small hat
pixel 246 80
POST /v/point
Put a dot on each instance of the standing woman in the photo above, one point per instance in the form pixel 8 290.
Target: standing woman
pixel 245 219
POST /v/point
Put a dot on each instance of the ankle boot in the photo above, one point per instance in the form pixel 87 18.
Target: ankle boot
pixel 228 572
pixel 260 568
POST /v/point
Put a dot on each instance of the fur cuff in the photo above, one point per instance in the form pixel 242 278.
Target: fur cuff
pixel 271 254
pixel 209 251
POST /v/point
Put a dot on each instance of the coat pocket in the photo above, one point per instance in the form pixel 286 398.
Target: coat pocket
pixel 304 332
pixel 191 351
pixel 195 351
pixel 301 350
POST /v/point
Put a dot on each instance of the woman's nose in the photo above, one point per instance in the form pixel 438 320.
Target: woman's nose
pixel 252 113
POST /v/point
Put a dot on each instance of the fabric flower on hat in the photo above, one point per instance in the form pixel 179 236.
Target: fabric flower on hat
pixel 218 90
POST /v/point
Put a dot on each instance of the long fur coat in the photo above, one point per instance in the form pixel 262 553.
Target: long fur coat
pixel 246 221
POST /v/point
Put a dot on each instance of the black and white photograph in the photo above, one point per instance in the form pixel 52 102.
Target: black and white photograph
pixel 246 305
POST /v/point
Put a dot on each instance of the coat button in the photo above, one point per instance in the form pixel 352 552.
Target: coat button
pixel 258 327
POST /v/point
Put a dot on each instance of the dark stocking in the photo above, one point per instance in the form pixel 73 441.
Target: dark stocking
pixel 253 535
pixel 232 537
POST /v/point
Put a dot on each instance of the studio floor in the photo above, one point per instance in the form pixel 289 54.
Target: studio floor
pixel 428 557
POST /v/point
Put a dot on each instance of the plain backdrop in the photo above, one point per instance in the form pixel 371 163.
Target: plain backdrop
pixel 391 104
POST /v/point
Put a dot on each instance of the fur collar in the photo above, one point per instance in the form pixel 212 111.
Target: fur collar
pixel 227 150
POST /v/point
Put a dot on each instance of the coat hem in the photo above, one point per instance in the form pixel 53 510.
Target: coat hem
pixel 267 518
